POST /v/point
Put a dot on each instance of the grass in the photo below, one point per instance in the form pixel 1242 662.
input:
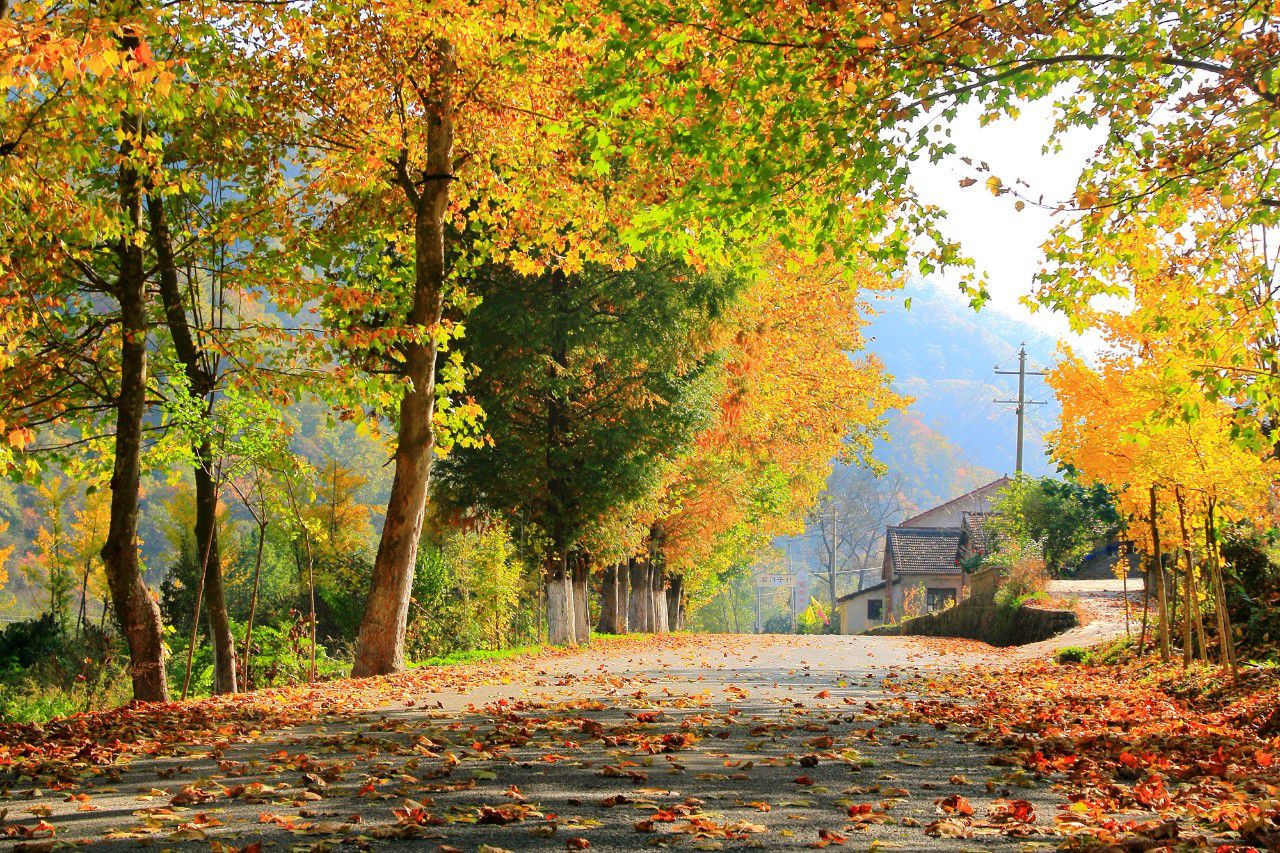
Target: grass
pixel 481 655
pixel 27 701
pixel 492 655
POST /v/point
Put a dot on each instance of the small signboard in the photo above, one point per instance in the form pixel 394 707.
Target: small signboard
pixel 775 580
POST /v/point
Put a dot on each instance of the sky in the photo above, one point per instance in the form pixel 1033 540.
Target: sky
pixel 1002 241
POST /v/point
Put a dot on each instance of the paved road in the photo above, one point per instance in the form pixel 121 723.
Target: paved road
pixel 688 742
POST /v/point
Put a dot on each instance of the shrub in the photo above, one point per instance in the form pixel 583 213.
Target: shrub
pixel 1071 655
pixel 1026 579
pixel 1110 654
pixel 281 656
pixel 31 641
pixel 47 671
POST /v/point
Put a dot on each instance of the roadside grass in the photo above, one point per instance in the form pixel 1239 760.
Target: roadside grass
pixel 27 700
pixel 509 653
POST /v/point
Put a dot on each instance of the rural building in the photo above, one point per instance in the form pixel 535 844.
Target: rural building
pixel 951 513
pixel 921 563
pixel 862 609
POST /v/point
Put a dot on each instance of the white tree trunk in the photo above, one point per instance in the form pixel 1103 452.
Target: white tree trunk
pixel 561 619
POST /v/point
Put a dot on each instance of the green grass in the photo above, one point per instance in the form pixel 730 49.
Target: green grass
pixel 30 702
pixel 491 655
pixel 481 655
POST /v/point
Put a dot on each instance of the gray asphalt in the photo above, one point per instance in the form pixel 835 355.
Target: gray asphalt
pixel 742 741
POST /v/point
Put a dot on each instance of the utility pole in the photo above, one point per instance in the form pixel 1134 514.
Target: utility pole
pixel 1022 402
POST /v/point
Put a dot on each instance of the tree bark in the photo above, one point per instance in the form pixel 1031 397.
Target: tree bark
pixel 135 608
pixel 1157 571
pixel 675 603
pixel 637 602
pixel 661 624
pixel 561 620
pixel 380 646
pixel 581 565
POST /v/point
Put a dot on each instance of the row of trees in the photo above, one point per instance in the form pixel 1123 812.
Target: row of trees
pixel 207 207
pixel 214 211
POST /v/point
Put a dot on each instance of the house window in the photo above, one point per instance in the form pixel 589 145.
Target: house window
pixel 938 598
pixel 875 609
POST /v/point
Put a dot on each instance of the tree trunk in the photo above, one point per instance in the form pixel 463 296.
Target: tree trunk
pixel 581 612
pixel 561 620
pixel 135 608
pixel 1190 606
pixel 380 646
pixel 637 603
pixel 253 601
pixel 1220 595
pixel 1146 611
pixel 215 600
pixel 661 624
pixel 608 599
pixel 675 603
pixel 1157 570
pixel 613 600
pixel 624 587
pixel 200 372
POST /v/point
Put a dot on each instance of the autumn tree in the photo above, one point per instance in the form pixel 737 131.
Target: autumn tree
pixel 86 90
pixel 460 128
pixel 800 392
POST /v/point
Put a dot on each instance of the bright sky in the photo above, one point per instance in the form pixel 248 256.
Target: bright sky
pixel 1004 242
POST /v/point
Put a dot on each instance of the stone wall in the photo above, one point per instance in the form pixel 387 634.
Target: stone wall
pixel 984 581
pixel 978 618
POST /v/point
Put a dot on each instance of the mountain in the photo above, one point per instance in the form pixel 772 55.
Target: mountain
pixel 941 352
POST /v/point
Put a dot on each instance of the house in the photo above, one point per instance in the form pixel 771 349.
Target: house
pixel 951 513
pixel 922 565
pixel 975 537
pixel 922 557
pixel 862 609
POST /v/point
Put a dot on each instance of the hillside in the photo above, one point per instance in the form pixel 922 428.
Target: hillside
pixel 941 352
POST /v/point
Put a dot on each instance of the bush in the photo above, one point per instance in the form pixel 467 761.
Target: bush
pixel 1071 655
pixel 31 641
pixel 1026 579
pixel 470 592
pixel 281 656
pixel 47 671
pixel 1110 654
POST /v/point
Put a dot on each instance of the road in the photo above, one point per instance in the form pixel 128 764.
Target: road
pixel 689 742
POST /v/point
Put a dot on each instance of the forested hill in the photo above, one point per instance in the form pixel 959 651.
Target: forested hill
pixel 941 353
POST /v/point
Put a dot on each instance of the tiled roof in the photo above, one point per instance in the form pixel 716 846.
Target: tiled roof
pixel 977 538
pixel 924 550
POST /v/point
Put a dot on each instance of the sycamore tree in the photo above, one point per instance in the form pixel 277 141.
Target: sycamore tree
pixel 591 384
pixel 412 129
